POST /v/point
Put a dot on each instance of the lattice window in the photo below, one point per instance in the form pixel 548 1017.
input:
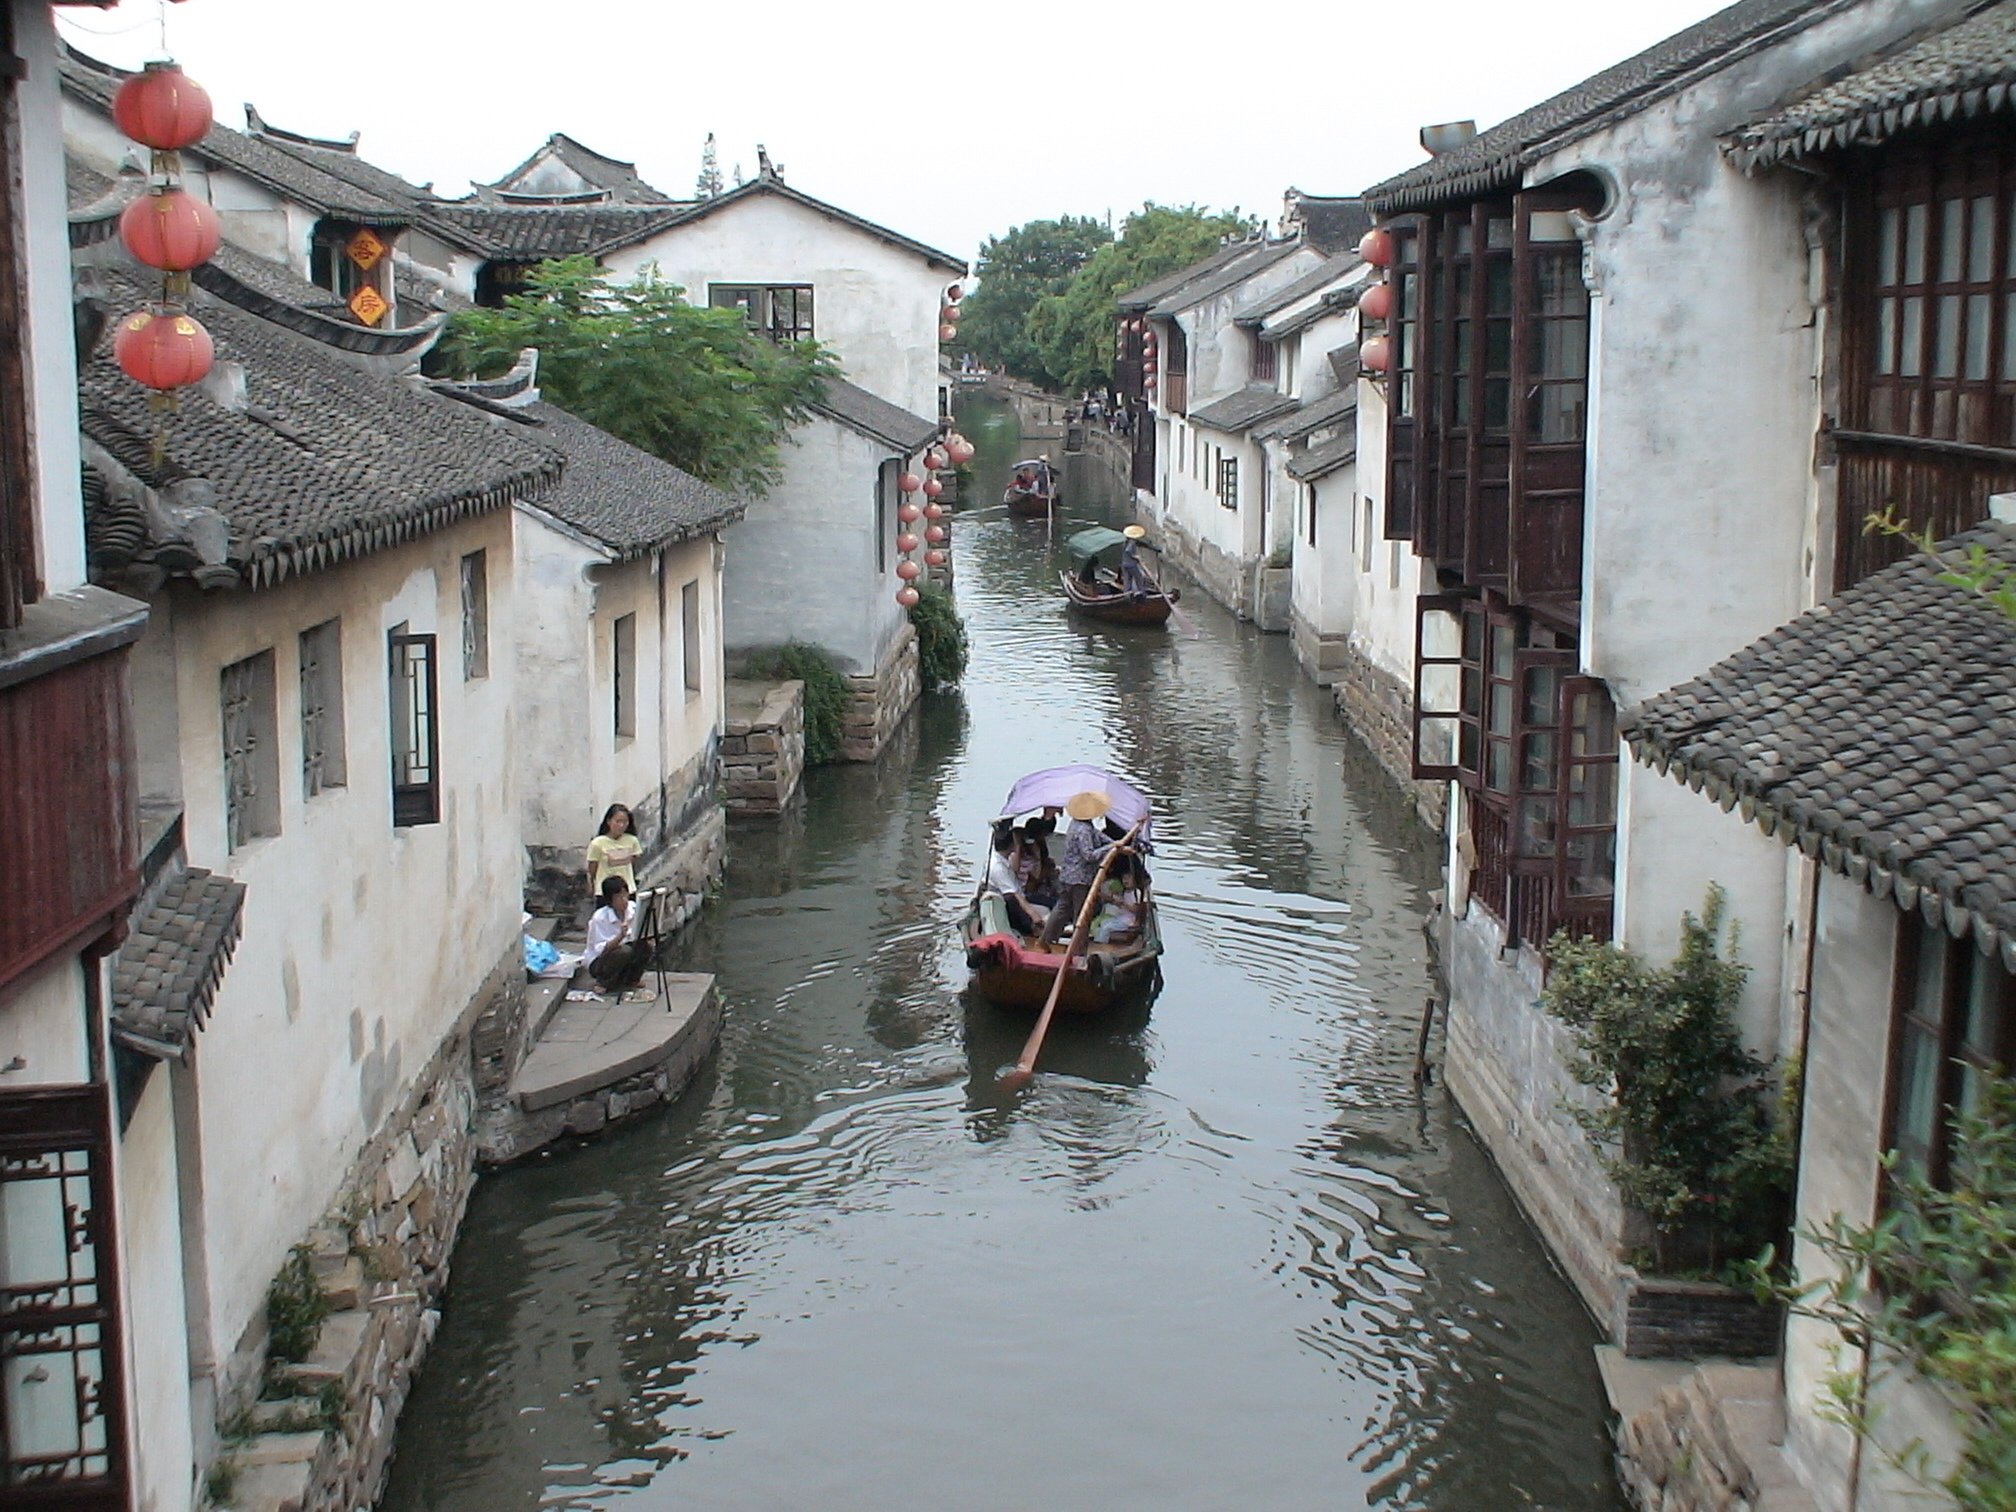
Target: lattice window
pixel 61 1406
pixel 782 312
pixel 251 750
pixel 322 740
pixel 1228 481
pixel 475 616
pixel 623 645
pixel 415 738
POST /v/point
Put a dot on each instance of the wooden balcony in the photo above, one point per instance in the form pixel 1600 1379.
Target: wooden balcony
pixel 69 844
pixel 1940 485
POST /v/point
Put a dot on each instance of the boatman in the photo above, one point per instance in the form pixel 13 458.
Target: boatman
pixel 1133 576
pixel 1083 851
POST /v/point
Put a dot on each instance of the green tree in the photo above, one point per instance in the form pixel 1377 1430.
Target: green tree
pixel 694 386
pixel 1017 268
pixel 1073 329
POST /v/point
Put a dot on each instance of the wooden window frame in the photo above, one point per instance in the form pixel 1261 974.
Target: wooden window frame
pixel 623 683
pixel 778 312
pixel 1228 481
pixel 414 731
pixel 20 526
pixel 1940 1046
pixel 1266 364
pixel 690 638
pixel 64 1134
pixel 475 615
pixel 249 729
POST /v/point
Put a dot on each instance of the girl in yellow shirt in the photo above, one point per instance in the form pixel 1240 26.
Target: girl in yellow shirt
pixel 613 851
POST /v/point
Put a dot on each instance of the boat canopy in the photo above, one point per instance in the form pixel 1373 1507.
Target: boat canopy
pixel 1057 786
pixel 1091 542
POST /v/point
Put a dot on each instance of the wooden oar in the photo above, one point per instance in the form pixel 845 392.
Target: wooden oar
pixel 1017 1076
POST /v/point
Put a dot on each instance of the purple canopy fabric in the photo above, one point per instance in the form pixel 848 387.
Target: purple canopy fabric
pixel 1058 785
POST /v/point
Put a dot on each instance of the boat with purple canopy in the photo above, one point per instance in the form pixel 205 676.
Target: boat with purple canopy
pixel 1015 967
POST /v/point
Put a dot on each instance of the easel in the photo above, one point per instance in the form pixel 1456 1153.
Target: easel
pixel 649 935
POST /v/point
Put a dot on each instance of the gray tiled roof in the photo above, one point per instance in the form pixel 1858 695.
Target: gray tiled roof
pixel 262 159
pixel 166 974
pixel 1494 158
pixel 1242 408
pixel 1257 258
pixel 322 460
pixel 618 178
pixel 1332 223
pixel 1315 414
pixel 629 500
pixel 1965 70
pixel 528 233
pixel 875 418
pixel 1150 293
pixel 1876 732
pixel 1329 271
pixel 1322 460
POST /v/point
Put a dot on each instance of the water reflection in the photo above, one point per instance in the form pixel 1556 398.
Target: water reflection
pixel 1218 1253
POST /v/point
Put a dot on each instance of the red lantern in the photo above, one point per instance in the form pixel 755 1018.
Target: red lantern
pixel 934 533
pixel 933 488
pixel 935 558
pixel 909 482
pixel 906 543
pixel 162 107
pixel 907 596
pixel 1376 303
pixel 1148 341
pixel 933 511
pixel 170 229
pixel 947 332
pixel 907 570
pixel 162 349
pixel 1376 247
pixel 934 459
pixel 1376 354
pixel 960 451
pixel 908 513
pixel 950 314
pixel 954 293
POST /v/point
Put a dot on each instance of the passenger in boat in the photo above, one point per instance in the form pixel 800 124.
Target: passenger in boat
pixel 1121 903
pixel 1023 917
pixel 1083 851
pixel 1037 870
pixel 1089 573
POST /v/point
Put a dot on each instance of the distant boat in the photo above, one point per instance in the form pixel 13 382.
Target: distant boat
pixel 1096 592
pixel 1032 488
pixel 1014 969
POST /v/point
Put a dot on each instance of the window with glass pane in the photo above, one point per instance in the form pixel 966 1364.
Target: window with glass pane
pixel 623 646
pixel 251 740
pixel 415 739
pixel 1956 1031
pixel 782 312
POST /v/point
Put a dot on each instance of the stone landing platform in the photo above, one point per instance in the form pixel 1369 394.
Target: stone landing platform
pixel 595 1060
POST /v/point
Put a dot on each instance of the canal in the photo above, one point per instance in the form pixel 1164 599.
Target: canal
pixel 1219 1254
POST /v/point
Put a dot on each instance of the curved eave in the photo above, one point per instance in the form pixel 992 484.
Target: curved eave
pixel 1769 143
pixel 1843 849
pixel 323 328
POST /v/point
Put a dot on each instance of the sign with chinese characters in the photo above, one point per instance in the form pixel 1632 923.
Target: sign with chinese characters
pixel 366 249
pixel 367 304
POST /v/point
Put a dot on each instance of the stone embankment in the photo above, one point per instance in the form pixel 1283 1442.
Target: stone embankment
pixel 763 746
pixel 1706 1438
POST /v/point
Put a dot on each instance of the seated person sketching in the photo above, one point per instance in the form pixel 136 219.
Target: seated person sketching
pixel 615 958
pixel 1023 917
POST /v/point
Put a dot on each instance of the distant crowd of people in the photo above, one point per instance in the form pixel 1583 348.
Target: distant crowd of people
pixel 1093 409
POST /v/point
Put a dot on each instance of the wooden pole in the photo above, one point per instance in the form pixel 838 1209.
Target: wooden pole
pixel 1421 1071
pixel 1017 1076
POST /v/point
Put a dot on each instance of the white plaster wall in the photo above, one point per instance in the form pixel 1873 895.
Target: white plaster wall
pixel 1325 579
pixel 1388 577
pixel 362 944
pixel 51 364
pixel 552 606
pixel 157 1338
pixel 808 562
pixel 874 303
pixel 1221 353
pixel 43 1025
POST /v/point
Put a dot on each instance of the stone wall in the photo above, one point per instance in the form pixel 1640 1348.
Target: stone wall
pixel 316 1435
pixel 1379 709
pixel 1662 1318
pixel 881 700
pixel 763 751
pixel 1711 1444
pixel 685 804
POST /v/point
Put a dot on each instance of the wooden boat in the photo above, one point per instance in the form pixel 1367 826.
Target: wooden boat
pixel 1100 595
pixel 1032 488
pixel 1012 968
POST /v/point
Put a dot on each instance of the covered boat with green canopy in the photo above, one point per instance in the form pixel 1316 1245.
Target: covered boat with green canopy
pixel 1113 584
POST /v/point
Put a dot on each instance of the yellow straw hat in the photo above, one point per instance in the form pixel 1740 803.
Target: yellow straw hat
pixel 1087 805
pixel 1135 532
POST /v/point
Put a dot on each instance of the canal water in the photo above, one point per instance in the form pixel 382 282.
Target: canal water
pixel 1219 1254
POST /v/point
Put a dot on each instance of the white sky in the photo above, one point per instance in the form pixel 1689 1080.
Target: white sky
pixel 944 126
